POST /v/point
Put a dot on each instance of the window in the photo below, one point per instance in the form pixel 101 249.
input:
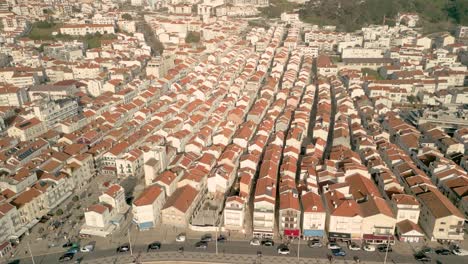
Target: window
pixel 442 223
pixel 441 230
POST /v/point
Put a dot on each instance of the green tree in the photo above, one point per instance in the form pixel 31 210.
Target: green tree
pixel 127 16
pixel 192 37
pixel 59 212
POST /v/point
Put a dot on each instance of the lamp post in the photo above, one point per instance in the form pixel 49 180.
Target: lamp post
pixel 386 251
pixel 31 254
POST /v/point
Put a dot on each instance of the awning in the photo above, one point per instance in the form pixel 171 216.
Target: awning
pixel 337 235
pixel 313 233
pixel 292 232
pixel 145 225
pixel 378 237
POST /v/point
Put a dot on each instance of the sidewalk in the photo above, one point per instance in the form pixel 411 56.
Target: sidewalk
pixel 191 257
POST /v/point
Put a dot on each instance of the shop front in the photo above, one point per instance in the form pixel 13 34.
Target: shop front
pixel 335 236
pixel 379 239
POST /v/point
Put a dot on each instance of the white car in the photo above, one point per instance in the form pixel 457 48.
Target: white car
pixel 283 251
pixel 255 242
pixel 333 245
pixel 369 248
pixel 180 238
pixel 460 252
pixel 354 246
pixel 87 248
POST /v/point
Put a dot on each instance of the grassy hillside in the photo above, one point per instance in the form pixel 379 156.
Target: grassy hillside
pixel 436 15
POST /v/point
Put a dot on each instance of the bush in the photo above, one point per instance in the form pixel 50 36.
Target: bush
pixel 59 212
pixel 75 198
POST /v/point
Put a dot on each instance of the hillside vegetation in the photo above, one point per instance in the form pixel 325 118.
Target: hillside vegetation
pixel 436 15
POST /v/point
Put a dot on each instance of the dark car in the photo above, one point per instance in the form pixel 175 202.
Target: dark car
pixel 67 245
pixel 422 257
pixel 268 243
pixel 338 252
pixel 154 246
pixel 206 238
pixel 201 245
pixel 16 261
pixel 123 248
pixel 221 238
pixel 66 257
pixel 442 251
pixel 427 250
pixel 384 248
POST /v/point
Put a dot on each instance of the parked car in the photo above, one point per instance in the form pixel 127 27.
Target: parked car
pixel 460 252
pixel 422 257
pixel 338 252
pixel 206 238
pixel 66 257
pixel 354 246
pixel 154 246
pixel 180 237
pixel 333 245
pixel 442 251
pixel 123 248
pixel 87 248
pixel 384 248
pixel 255 242
pixel 283 250
pixel 268 243
pixel 314 243
pixel 369 248
pixel 221 238
pixel 201 245
pixel 16 261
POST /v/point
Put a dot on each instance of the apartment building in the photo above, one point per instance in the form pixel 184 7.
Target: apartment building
pixel 147 207
pixel 84 29
pixel 53 111
pixel 26 130
pixel 234 213
pixel 314 216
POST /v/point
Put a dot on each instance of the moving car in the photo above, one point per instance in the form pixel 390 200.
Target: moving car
pixel 460 252
pixel 123 248
pixel 73 250
pixel 283 250
pixel 221 238
pixel 154 246
pixel 87 248
pixel 201 245
pixel 384 248
pixel 180 237
pixel 66 257
pixel 206 238
pixel 369 248
pixel 427 250
pixel 268 243
pixel 255 242
pixel 354 246
pixel 422 257
pixel 442 251
pixel 338 252
pixel 68 244
pixel 314 243
pixel 333 245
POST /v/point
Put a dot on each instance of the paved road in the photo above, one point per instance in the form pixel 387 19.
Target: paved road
pixel 230 252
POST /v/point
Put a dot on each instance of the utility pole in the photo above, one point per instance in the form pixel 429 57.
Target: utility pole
pixel 31 254
pixel 386 251
pixel 216 242
pixel 129 241
pixel 298 248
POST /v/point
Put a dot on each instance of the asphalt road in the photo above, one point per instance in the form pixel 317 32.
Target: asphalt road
pixel 241 247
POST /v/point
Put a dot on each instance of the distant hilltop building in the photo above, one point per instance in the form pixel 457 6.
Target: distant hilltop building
pixel 409 19
pixel 257 3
